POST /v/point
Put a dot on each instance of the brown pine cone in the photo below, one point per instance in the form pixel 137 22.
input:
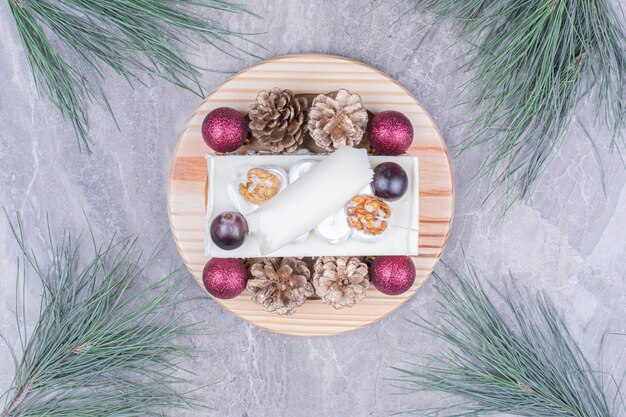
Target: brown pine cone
pixel 337 119
pixel 277 120
pixel 340 281
pixel 280 285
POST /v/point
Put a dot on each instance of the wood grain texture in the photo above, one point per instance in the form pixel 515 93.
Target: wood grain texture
pixel 313 74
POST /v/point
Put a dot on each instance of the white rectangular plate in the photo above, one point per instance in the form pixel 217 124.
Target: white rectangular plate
pixel 400 238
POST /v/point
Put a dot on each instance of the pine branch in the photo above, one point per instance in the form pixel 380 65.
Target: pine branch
pixel 534 62
pixel 511 353
pixel 17 400
pixel 101 346
pixel 68 43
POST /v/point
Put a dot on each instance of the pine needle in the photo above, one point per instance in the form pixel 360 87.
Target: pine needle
pixel 68 44
pixel 506 354
pixel 99 347
pixel 534 62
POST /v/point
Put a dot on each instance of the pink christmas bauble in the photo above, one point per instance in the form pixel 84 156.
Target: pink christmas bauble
pixel 224 129
pixel 390 133
pixel 224 278
pixel 392 275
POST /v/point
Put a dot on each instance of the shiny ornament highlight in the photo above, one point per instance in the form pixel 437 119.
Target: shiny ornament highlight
pixel 224 278
pixel 390 133
pixel 224 130
pixel 392 275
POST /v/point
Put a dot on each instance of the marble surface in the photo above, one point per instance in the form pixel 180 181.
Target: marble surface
pixel 567 239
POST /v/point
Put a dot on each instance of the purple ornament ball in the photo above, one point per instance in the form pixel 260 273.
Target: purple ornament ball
pixel 224 129
pixel 224 277
pixel 390 133
pixel 392 275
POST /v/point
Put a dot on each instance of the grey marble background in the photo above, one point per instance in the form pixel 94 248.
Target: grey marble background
pixel 568 239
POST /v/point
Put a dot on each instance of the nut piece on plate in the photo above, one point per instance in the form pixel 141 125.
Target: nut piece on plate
pixel 261 186
pixel 368 214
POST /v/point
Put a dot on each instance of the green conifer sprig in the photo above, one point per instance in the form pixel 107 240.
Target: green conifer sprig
pixel 510 353
pixel 533 63
pixel 104 344
pixel 69 43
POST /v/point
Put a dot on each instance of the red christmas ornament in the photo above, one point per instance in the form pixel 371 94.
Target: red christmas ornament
pixel 224 129
pixel 224 277
pixel 392 275
pixel 390 133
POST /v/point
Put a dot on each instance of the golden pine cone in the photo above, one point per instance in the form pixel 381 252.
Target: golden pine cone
pixel 340 281
pixel 280 285
pixel 277 120
pixel 337 119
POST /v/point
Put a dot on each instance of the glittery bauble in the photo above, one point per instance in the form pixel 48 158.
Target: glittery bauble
pixel 224 278
pixel 390 133
pixel 224 129
pixel 392 275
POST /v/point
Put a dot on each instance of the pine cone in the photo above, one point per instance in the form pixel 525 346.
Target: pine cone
pixel 277 120
pixel 280 286
pixel 337 119
pixel 340 281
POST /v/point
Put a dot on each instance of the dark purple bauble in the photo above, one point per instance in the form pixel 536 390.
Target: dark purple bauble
pixel 224 129
pixel 229 230
pixel 392 275
pixel 390 181
pixel 224 278
pixel 390 133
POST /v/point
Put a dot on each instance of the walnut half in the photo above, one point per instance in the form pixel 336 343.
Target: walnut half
pixel 368 214
pixel 262 185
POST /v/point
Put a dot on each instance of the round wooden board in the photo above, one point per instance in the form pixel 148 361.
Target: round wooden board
pixel 313 74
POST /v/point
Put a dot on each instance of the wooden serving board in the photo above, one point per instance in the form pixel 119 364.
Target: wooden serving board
pixel 313 74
